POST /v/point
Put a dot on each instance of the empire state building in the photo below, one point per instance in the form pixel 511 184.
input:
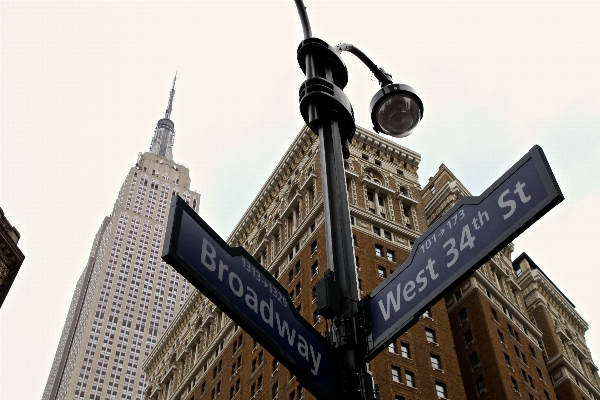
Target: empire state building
pixel 126 296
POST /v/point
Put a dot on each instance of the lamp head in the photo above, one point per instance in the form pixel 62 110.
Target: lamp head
pixel 396 110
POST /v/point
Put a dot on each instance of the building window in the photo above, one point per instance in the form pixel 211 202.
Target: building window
pixel 387 235
pixel 430 334
pixel 539 372
pixel 494 314
pixel 458 295
pixel 315 268
pixel 532 351
pixel 398 397
pixel 501 336
pixel 275 390
pixel 365 157
pixel 314 293
pixel 275 365
pixel 376 230
pixel 354 242
pixel 405 350
pixel 507 359
pixel 300 391
pixel 462 315
pixel 395 374
pixel 436 361
pixel 441 391
pixel 518 271
pixel 378 250
pixel 514 384
pixel 315 317
pixel 480 384
pixel 391 255
pixel 377 162
pixel 370 196
pixel 313 246
pixel 392 348
pixel 474 360
pixel 468 337
pixel 410 379
pixel 293 396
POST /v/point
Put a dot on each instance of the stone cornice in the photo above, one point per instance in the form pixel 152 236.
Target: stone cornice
pixel 376 186
pixel 559 361
pixel 383 223
pixel 387 146
pixel 549 290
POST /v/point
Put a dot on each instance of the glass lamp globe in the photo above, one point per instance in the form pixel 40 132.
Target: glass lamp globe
pixel 396 110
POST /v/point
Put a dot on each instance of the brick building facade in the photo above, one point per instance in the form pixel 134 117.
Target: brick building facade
pixel 203 356
pixel 480 342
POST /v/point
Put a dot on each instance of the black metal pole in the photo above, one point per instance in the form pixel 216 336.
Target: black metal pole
pixel 340 256
pixel 329 114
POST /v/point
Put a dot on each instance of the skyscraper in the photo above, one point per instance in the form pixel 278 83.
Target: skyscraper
pixel 126 296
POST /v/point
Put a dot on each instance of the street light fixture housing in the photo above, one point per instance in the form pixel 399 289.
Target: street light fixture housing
pixel 396 110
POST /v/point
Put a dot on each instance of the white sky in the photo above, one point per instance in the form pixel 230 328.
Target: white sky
pixel 84 83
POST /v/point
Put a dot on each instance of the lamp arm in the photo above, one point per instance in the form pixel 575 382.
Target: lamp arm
pixel 383 77
pixel 303 18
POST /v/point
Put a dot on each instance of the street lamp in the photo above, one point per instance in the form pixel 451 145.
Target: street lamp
pixel 395 110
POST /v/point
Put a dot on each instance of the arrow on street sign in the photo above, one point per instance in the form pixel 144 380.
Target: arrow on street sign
pixel 245 291
pixel 458 243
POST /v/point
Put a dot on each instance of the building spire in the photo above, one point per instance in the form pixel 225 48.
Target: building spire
pixel 171 96
pixel 164 134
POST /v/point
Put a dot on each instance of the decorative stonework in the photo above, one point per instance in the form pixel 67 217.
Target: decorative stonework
pixel 353 189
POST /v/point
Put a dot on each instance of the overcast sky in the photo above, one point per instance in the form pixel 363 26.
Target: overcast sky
pixel 84 83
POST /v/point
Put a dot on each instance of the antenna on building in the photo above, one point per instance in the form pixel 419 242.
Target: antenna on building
pixel 171 96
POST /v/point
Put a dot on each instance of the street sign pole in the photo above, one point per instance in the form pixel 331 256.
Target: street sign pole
pixel 457 244
pixel 247 293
